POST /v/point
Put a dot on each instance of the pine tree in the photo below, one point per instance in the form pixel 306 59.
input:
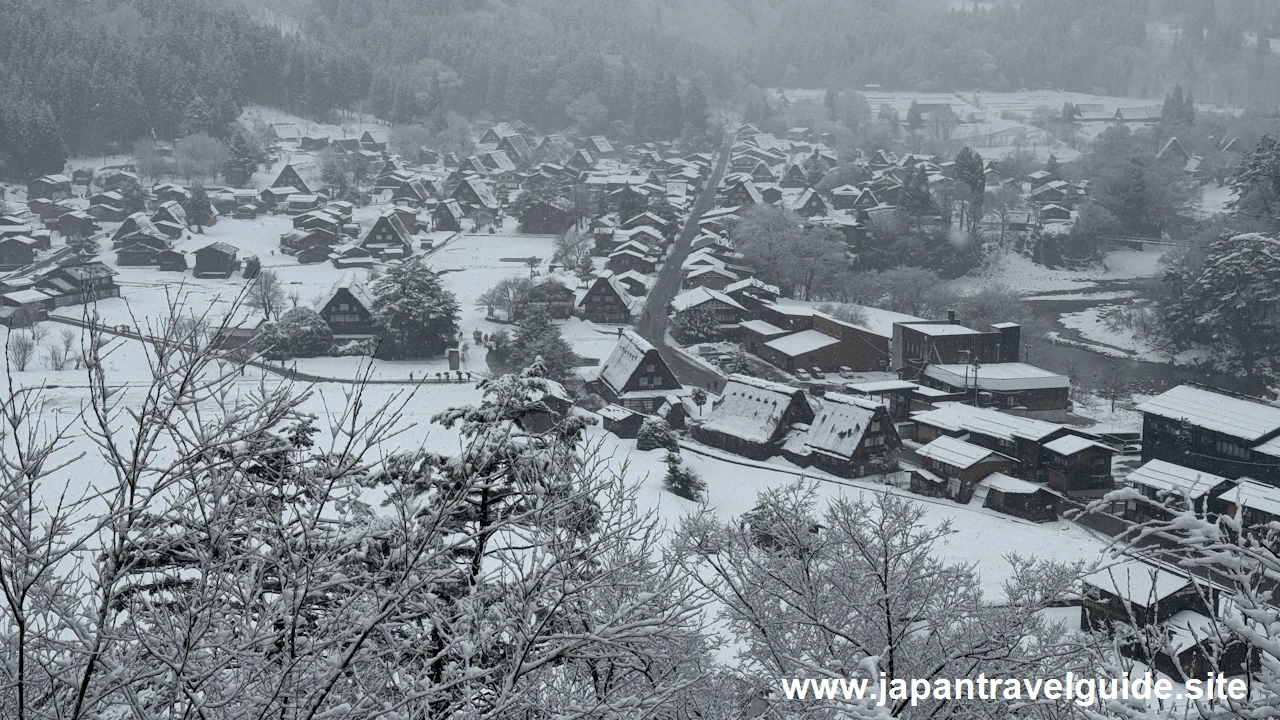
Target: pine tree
pixel 418 317
pixel 243 161
pixel 682 481
pixel 1051 166
pixel 586 269
pixel 916 200
pixel 132 198
pixel 537 337
pixel 914 118
pixel 1189 109
pixel 199 209
pixel 697 324
pixel 830 101
pixel 695 113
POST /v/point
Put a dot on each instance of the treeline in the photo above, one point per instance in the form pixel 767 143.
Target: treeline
pixel 551 63
pixel 118 71
pixel 1134 48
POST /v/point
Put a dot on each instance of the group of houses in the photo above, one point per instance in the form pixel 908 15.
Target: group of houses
pixel 786 172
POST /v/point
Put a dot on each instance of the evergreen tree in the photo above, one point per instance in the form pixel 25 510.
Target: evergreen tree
pixel 682 481
pixel 695 113
pixel 671 122
pixel 418 317
pixel 1052 166
pixel 697 324
pixel 537 337
pixel 132 198
pixel 243 162
pixel 914 119
pixel 586 269
pixel 830 101
pixel 1189 109
pixel 655 434
pixel 1068 112
pixel 916 200
pixel 199 209
pixel 306 334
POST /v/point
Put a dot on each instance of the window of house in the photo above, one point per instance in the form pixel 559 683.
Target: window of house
pixel 1232 450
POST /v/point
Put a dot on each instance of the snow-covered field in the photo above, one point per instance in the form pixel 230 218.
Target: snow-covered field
pixel 1020 274
pixel 1093 327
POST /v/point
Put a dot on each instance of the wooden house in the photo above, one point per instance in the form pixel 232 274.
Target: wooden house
pixel 348 310
pixel 388 238
pixel 849 437
pixel 516 148
pixel 448 215
pixel 216 260
pixel 50 187
pixel 1079 467
pixel 1021 438
pixel 727 311
pixel 1054 213
pixel 169 192
pixel 173 215
pixel 1135 593
pixel 374 140
pixel 635 376
pixel 77 223
pixel 550 216
pixel 1019 498
pixel 290 177
pixel 753 417
pixel 952 468
pixel 17 252
pixel 475 194
pixel 171 261
pixel 714 277
pixel 1168 489
pixel 1256 504
pixel 245 212
pixel 620 421
pixel 550 296
pixel 350 255
pixel 606 302
pixel 82 176
pixel 1213 431
pixel 314 254
pixel 627 258
pixel 635 283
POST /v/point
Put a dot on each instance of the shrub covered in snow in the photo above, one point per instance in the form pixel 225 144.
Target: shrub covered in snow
pixel 654 434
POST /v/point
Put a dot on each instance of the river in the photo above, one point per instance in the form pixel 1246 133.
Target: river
pixel 1093 369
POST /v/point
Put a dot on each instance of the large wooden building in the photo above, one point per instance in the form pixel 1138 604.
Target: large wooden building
pixel 635 376
pixel 753 416
pixel 1214 431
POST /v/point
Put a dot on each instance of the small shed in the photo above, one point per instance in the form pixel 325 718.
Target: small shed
pixel 246 212
pixel 621 422
pixel 1019 498
pixel 171 261
pixel 216 260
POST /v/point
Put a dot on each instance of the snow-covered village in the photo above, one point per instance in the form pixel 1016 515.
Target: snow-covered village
pixel 631 360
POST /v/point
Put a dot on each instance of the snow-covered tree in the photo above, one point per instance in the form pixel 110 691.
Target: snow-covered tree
pixel 266 294
pixel 696 324
pixel 681 480
pixel 537 337
pixel 419 318
pixel 858 588
pixel 306 333
pixel 198 208
pixel 654 434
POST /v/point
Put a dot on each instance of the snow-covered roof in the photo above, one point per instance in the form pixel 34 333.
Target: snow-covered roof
pixel 985 421
pixel 624 360
pixel 1068 445
pixel 1166 477
pixel 1187 629
pixel 750 408
pixel 940 329
pixel 1255 496
pixel 1009 484
pixel 805 341
pixel 1000 377
pixel 956 453
pixel 700 296
pixel 881 386
pixel 1229 415
pixel 838 426
pixel 763 328
pixel 351 284
pixel 753 283
pixel 1137 582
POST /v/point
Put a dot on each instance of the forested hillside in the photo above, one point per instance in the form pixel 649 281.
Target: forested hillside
pixel 82 76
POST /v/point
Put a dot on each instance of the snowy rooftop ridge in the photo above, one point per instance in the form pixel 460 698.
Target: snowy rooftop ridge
pixel 1009 484
pixel 1170 478
pixel 1255 496
pixel 956 417
pixel 957 453
pixel 998 376
pixel 1235 416
pixel 1137 582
